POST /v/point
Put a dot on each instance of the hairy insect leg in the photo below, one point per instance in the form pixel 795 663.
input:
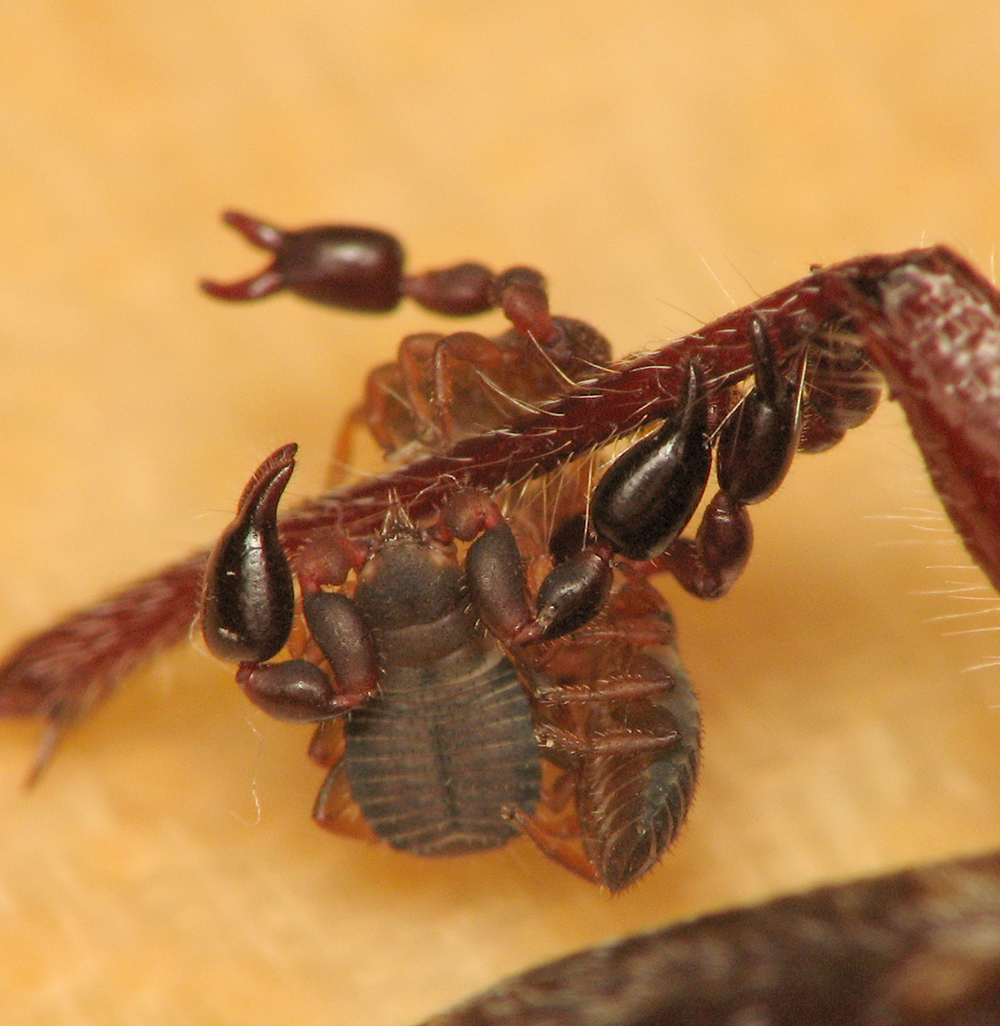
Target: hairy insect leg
pixel 52 735
pixel 444 380
pixel 382 412
pixel 624 741
pixel 936 343
pixel 554 827
pixel 463 349
pixel 444 387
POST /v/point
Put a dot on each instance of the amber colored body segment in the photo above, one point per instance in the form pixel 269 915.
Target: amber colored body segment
pixel 883 300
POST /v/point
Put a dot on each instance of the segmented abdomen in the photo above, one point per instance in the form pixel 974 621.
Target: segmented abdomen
pixel 435 759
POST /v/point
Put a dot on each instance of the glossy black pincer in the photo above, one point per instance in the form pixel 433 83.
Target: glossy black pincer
pixel 647 496
pixel 759 439
pixel 249 596
pixel 573 594
pixel 350 267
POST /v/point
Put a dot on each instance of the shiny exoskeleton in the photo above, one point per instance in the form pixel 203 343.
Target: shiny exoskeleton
pixel 440 741
pixel 450 684
pixel 442 387
pixel 436 722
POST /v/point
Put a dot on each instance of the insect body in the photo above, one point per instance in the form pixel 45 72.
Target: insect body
pixel 619 736
pixel 443 733
pixel 447 744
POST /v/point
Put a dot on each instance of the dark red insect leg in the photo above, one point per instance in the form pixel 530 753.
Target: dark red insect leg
pixel 938 345
pixel 65 670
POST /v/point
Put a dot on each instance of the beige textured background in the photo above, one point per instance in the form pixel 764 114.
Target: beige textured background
pixel 652 158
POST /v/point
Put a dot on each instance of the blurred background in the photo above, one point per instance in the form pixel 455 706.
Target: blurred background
pixel 662 163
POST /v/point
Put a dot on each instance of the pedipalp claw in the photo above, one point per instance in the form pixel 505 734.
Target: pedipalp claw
pixel 249 596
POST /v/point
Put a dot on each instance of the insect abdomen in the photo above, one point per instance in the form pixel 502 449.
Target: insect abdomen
pixel 437 757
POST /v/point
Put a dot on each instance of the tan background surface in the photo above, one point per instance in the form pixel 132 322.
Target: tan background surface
pixel 652 158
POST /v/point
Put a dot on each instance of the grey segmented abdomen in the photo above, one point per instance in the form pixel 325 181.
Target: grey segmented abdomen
pixel 435 759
